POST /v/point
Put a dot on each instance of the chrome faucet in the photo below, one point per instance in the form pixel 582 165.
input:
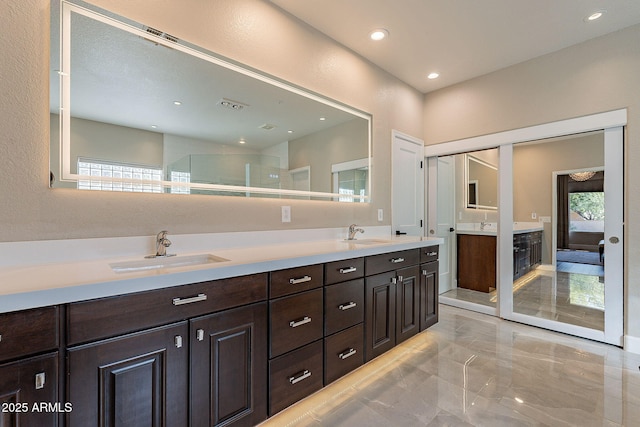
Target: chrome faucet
pixel 162 243
pixel 353 230
pixel 483 225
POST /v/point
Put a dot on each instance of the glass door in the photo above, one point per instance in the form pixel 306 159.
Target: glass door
pixel 567 220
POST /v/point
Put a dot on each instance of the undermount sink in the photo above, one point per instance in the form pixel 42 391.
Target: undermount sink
pixel 366 241
pixel 165 262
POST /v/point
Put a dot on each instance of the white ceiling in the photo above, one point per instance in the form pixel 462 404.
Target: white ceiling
pixel 460 39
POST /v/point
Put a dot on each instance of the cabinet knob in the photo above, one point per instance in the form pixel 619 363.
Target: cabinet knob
pixel 40 380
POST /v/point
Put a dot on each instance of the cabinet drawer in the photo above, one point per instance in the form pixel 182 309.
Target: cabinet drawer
pixel 343 305
pixel 295 376
pixel 428 254
pixel 28 332
pixel 343 352
pixel 294 280
pixel 106 317
pixel 341 271
pixel 295 321
pixel 391 261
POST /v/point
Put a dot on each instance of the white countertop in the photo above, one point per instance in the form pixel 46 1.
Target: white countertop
pixel 38 285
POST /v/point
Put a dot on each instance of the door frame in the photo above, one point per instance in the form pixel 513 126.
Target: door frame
pixel 612 122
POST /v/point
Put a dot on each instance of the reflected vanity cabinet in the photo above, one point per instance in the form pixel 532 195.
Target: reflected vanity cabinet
pixel 29 363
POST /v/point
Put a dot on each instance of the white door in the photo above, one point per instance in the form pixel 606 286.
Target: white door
pixel 407 192
pixel 441 217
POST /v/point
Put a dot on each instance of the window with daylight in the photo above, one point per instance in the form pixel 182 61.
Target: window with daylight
pixel 180 178
pixel 125 177
pixel 586 211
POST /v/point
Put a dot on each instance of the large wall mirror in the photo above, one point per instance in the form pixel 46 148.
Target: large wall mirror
pixel 481 179
pixel 136 109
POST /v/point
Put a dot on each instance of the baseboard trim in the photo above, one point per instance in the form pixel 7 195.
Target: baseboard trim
pixel 632 344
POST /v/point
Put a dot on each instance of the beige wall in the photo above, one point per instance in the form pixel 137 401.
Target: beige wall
pixel 254 32
pixel 596 76
pixel 323 149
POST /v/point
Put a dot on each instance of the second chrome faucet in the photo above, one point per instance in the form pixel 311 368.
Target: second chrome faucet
pixel 162 243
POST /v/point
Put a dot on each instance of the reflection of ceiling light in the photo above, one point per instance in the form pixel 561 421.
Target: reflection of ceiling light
pixel 433 76
pixel 582 176
pixel 379 34
pixel 231 104
pixel 595 15
pixel 177 103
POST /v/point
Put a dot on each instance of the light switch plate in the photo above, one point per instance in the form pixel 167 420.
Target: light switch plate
pixel 286 213
pixel 380 215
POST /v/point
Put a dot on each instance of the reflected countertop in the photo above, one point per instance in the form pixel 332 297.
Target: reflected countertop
pixel 491 228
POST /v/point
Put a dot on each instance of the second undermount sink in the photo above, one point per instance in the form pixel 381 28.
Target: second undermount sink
pixel 165 262
pixel 366 241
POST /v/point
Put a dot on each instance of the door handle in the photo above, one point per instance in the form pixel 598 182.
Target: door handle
pixel 399 233
pixel 451 229
pixel 614 239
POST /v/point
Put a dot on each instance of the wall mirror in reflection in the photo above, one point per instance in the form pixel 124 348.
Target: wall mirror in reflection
pixel 136 109
pixel 481 178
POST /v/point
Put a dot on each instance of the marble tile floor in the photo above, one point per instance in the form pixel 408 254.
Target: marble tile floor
pixel 571 296
pixel 472 369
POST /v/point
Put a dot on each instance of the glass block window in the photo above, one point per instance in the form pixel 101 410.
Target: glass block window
pixel 180 177
pixel 103 169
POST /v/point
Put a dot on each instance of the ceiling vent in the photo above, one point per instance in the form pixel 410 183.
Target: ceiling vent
pixel 231 104
pixel 161 34
pixel 267 126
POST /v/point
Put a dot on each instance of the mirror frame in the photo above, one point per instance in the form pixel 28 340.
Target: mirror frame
pixel 77 6
pixel 467 159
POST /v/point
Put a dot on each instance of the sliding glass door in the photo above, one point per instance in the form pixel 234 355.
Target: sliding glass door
pixel 559 224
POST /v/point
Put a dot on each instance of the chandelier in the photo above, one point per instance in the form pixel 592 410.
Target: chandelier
pixel 582 176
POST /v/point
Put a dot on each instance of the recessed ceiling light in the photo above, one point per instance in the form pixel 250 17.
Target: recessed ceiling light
pixel 177 103
pixel 154 127
pixel 433 76
pixel 289 131
pixel 323 119
pixel 379 34
pixel 595 15
pixel 242 141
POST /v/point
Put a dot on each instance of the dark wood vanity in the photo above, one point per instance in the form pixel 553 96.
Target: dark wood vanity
pixel 223 352
pixel 477 258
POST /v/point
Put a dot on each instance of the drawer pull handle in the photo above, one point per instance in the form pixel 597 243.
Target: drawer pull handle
pixel 347 306
pixel 200 334
pixel 432 253
pixel 347 270
pixel 348 353
pixel 303 321
pixel 197 298
pixel 300 376
pixel 397 260
pixel 177 340
pixel 300 280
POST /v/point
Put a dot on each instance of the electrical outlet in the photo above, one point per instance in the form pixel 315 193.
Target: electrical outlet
pixel 380 215
pixel 286 213
pixel 534 215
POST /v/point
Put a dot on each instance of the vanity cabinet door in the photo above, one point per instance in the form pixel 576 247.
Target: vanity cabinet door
pixel 140 379
pixel 26 383
pixel 380 314
pixel 407 303
pixel 428 295
pixel 229 367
